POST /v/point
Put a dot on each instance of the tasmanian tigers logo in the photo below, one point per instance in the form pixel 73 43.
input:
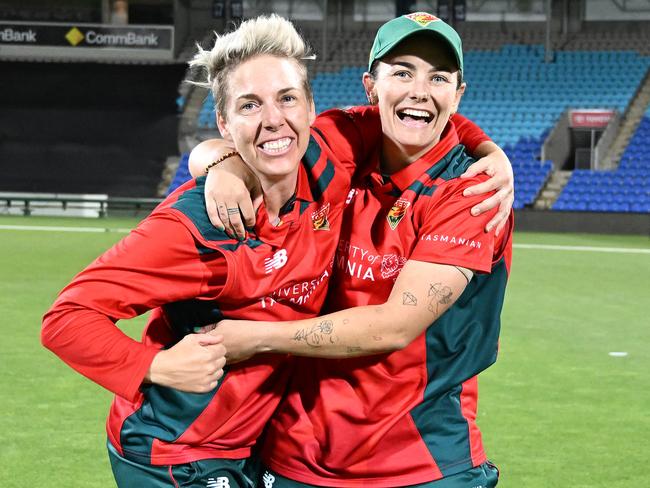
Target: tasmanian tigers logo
pixel 422 18
pixel 397 212
pixel 319 218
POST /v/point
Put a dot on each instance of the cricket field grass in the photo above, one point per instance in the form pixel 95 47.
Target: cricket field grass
pixel 557 410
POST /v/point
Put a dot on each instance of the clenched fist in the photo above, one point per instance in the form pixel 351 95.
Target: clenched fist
pixel 195 364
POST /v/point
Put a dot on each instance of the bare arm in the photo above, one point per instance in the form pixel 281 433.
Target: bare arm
pixel 495 163
pixel 229 185
pixel 422 293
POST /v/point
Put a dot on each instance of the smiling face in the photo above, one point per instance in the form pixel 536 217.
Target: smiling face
pixel 267 116
pixel 415 87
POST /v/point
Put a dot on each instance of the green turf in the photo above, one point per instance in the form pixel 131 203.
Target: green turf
pixel 52 419
pixel 556 410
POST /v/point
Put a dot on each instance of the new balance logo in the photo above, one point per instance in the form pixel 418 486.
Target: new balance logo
pixel 268 479
pixel 278 260
pixel 220 482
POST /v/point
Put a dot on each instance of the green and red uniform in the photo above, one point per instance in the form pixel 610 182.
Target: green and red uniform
pixel 188 273
pixel 408 417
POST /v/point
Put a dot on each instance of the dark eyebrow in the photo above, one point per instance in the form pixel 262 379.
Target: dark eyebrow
pixel 248 95
pixel 408 65
pixel 404 64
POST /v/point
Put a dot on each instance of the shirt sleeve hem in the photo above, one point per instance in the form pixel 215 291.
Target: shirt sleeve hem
pixel 472 264
pixel 132 391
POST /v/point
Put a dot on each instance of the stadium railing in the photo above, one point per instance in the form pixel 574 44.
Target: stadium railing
pixel 89 205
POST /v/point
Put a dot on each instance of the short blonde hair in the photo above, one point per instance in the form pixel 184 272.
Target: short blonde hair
pixel 272 35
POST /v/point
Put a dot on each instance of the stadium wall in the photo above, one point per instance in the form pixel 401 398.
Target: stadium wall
pixel 87 128
pixel 582 222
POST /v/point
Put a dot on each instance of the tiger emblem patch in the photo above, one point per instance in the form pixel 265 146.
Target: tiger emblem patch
pixel 397 212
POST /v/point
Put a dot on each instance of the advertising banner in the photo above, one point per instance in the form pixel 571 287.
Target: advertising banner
pixel 86 36
pixel 590 118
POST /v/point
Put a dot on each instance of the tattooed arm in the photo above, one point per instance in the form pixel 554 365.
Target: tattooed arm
pixel 422 293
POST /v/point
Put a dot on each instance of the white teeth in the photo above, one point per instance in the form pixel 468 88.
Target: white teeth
pixel 277 145
pixel 416 113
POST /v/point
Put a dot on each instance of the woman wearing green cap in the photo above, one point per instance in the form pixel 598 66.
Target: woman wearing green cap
pixel 415 299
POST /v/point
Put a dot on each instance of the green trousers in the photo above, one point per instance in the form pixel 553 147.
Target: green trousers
pixel 484 476
pixel 206 473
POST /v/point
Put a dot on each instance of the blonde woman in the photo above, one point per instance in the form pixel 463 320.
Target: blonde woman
pixel 179 418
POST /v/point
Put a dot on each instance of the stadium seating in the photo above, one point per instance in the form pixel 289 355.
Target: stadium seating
pixel 610 39
pixel 516 98
pixel 626 189
pixel 207 118
pixel 182 173
pixel 530 173
pixel 511 93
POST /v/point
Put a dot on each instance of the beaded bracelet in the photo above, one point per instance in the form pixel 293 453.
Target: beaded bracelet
pixel 220 160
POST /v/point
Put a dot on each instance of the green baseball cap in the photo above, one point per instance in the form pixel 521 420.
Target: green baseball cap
pixel 395 31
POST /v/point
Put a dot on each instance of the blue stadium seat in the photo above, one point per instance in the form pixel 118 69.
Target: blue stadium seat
pixel 516 98
pixel 625 189
pixel 182 173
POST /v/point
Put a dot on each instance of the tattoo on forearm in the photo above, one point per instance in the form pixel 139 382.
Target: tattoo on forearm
pixel 354 349
pixel 409 299
pixel 318 335
pixel 441 295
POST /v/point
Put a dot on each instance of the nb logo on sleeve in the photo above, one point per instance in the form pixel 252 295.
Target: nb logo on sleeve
pixel 220 482
pixel 278 260
pixel 268 479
